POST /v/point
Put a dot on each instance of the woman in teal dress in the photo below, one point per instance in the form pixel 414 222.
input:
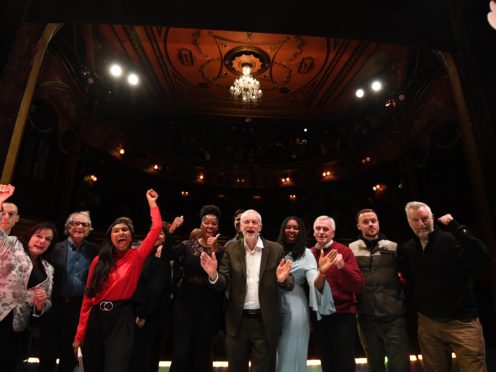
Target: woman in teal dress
pixel 292 349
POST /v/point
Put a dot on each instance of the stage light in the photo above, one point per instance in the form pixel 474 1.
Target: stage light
pixel 376 86
pixel 133 79
pixel 116 70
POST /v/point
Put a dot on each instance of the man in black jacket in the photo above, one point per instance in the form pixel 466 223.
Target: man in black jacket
pixel 71 260
pixel 438 264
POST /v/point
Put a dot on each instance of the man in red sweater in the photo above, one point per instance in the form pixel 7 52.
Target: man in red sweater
pixel 336 333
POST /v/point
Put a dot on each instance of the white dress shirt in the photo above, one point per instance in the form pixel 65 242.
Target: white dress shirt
pixel 253 259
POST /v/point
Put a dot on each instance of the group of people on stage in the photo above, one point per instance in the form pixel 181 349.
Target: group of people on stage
pixel 110 305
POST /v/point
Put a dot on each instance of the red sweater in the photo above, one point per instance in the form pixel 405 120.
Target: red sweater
pixel 346 282
pixel 124 276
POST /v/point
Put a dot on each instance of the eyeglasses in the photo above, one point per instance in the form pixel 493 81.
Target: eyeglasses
pixel 79 223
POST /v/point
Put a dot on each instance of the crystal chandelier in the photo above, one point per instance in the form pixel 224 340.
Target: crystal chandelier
pixel 246 90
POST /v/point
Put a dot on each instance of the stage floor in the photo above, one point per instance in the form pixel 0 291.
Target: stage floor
pixel 312 365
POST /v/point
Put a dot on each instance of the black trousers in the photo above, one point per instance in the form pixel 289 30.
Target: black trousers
pixel 57 329
pixel 149 340
pixel 109 339
pixel 194 330
pixel 250 344
pixel 336 338
pixel 11 350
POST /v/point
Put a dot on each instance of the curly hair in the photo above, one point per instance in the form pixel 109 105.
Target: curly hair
pixel 296 249
pixel 210 209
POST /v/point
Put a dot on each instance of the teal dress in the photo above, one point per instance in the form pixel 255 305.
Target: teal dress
pixel 292 349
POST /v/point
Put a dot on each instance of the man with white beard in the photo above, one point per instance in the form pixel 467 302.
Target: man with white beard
pixel 438 263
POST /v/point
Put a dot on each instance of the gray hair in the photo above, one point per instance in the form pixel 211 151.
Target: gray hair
pixel 69 220
pixel 327 218
pixel 416 205
pixel 245 213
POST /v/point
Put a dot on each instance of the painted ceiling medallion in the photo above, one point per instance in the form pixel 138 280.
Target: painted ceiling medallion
pixel 256 58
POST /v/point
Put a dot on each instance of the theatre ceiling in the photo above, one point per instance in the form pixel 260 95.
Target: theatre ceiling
pixel 180 120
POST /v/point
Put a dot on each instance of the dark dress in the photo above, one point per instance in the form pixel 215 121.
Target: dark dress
pixel 196 311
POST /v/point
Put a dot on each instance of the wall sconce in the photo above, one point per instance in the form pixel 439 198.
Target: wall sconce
pixel 184 194
pixel 327 175
pixel 292 197
pixel 380 187
pixel 366 160
pixel 286 180
pixel 90 178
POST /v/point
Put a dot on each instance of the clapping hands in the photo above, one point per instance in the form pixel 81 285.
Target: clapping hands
pixel 283 270
pixel 209 264
pixel 332 258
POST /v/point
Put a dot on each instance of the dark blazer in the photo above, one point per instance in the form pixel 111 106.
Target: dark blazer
pixel 58 259
pixel 232 275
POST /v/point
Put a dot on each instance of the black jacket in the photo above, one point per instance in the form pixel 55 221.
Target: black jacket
pixel 440 273
pixel 154 286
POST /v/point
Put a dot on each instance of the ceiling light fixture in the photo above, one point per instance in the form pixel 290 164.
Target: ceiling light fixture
pixel 360 93
pixel 133 79
pixel 116 70
pixel 376 86
pixel 246 90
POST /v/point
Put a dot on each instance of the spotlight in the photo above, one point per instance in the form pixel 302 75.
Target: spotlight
pixel 376 86
pixel 360 93
pixel 133 79
pixel 116 70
